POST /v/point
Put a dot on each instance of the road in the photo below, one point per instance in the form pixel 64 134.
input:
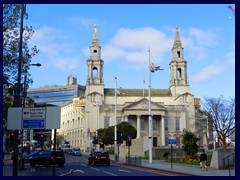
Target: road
pixel 80 167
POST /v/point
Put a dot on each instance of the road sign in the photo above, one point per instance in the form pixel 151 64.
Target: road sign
pixel 33 123
pixel 34 118
pixel 172 141
pixel 34 113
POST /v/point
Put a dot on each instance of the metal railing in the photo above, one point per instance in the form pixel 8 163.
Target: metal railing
pixel 134 160
pixel 229 162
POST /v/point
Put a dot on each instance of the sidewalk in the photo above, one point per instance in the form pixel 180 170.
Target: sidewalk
pixel 187 169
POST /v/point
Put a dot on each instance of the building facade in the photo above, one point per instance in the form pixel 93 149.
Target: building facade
pixel 172 109
pixel 56 95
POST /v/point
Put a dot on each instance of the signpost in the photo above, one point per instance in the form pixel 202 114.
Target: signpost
pixel 172 142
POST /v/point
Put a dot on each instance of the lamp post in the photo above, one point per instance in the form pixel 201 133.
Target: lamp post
pixel 24 99
pixel 115 127
pixel 15 157
pixel 152 68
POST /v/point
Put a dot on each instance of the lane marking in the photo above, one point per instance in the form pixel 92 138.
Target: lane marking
pixel 122 170
pixel 78 170
pixel 110 173
pixel 95 169
pixel 84 165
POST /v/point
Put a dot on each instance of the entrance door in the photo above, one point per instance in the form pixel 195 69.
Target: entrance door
pixel 154 141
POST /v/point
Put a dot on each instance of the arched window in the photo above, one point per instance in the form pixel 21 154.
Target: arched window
pixel 179 73
pixel 95 72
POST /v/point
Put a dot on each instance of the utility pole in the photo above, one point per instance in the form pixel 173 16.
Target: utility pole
pixel 152 68
pixel 115 127
pixel 16 132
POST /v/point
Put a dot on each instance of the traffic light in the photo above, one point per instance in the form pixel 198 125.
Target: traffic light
pixel 129 141
pixel 12 137
pixel 96 140
pixel 19 140
pixel 41 138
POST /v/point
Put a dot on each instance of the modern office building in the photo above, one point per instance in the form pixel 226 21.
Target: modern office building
pixel 56 95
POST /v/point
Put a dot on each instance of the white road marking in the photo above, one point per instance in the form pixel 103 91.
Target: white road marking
pixel 95 169
pixel 78 170
pixel 124 170
pixel 84 165
pixel 110 173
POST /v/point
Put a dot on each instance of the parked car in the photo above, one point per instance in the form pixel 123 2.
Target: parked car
pixel 99 157
pixel 45 157
pixel 69 151
pixel 77 152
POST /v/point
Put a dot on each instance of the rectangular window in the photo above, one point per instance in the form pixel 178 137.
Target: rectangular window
pixel 166 123
pixel 131 121
pixel 106 122
pixel 118 120
pixel 177 123
pixel 178 54
pixel 154 124
pixel 142 124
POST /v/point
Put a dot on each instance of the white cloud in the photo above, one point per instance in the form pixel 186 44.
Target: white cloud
pixel 55 48
pixel 199 42
pixel 66 63
pixel 207 73
pixel 132 45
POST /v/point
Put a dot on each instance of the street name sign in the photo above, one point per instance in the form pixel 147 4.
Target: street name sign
pixel 172 142
pixel 33 118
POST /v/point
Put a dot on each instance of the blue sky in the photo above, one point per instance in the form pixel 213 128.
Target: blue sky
pixel 63 34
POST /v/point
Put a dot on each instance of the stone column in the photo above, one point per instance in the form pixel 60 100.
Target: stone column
pixel 162 131
pixel 126 118
pixel 138 126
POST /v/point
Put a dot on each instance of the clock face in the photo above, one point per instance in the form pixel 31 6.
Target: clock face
pixel 76 101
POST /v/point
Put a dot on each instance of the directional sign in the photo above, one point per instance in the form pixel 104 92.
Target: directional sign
pixel 34 113
pixel 172 141
pixel 33 123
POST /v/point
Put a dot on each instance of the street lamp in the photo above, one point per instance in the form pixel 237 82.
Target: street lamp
pixel 98 104
pixel 152 68
pixel 15 157
pixel 24 99
pixel 115 127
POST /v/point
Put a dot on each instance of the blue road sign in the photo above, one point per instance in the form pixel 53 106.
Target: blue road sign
pixel 33 123
pixel 172 141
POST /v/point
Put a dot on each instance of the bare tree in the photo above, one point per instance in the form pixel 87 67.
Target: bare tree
pixel 221 113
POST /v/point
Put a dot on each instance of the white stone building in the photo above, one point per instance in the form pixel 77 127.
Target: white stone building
pixel 172 109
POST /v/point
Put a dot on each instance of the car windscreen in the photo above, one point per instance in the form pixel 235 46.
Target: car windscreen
pixel 76 149
pixel 102 154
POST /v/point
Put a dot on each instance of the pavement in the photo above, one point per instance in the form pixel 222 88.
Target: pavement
pixel 156 164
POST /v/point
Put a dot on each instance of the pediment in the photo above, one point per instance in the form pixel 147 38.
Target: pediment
pixel 143 104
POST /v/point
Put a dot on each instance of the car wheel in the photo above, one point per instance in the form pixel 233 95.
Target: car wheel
pixel 94 163
pixel 108 164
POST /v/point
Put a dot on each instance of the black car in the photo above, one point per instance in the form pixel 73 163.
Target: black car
pixel 27 157
pixel 99 157
pixel 45 157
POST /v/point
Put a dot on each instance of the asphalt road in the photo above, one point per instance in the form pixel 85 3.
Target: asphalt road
pixel 79 167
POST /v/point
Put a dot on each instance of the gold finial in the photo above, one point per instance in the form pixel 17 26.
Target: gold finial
pixel 95 25
pixel 177 27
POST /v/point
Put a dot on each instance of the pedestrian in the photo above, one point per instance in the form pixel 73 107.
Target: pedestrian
pixel 203 160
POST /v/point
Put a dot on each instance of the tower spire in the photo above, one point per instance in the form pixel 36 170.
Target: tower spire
pixel 95 41
pixel 177 42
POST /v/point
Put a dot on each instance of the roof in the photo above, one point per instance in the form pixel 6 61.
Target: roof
pixel 139 92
